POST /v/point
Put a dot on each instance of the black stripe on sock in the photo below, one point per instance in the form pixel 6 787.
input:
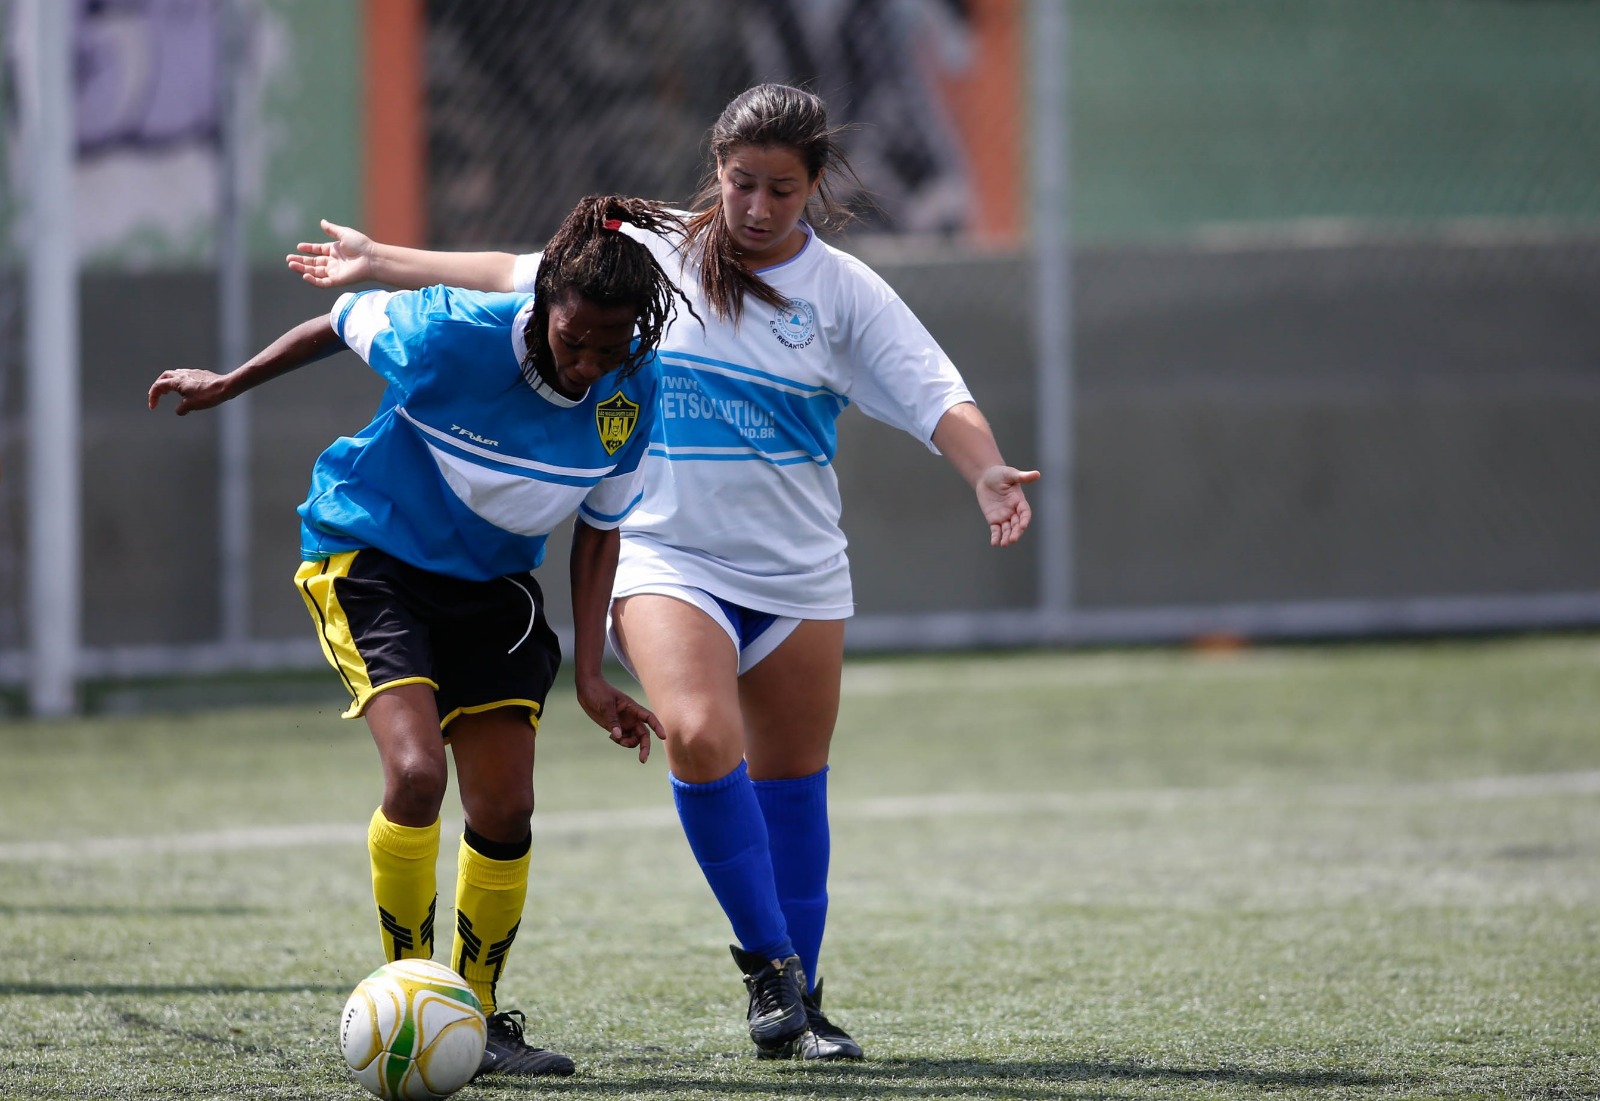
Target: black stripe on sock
pixel 496 850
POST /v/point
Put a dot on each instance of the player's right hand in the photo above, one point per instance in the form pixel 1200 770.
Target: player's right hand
pixel 195 389
pixel 344 260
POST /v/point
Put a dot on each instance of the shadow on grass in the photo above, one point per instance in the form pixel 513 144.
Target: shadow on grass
pixel 1018 1080
pixel 101 910
pixel 164 990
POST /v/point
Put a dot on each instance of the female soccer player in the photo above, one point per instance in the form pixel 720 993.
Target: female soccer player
pixel 733 585
pixel 504 415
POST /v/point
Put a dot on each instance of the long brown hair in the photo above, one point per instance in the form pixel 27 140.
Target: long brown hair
pixel 591 256
pixel 766 116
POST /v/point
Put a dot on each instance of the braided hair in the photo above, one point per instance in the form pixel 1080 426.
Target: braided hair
pixel 766 116
pixel 591 256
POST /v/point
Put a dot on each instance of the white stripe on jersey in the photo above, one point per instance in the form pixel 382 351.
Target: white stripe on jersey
pixel 518 504
pixel 781 458
pixel 702 365
pixel 459 444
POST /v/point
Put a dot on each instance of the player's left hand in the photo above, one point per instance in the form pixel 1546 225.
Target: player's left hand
pixel 629 722
pixel 1004 504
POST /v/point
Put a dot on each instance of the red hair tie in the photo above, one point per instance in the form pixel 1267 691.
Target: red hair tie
pixel 613 223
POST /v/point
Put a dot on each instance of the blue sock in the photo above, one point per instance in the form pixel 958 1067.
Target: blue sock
pixel 797 830
pixel 728 837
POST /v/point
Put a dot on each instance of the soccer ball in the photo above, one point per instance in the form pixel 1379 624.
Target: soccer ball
pixel 413 1030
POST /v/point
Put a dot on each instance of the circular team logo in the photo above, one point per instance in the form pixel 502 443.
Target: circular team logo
pixel 795 323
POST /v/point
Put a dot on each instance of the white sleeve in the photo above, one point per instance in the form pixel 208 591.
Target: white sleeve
pixel 524 271
pixel 902 377
pixel 359 316
pixel 610 501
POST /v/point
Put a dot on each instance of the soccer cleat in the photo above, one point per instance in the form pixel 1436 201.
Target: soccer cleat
pixel 822 1040
pixel 777 1006
pixel 507 1053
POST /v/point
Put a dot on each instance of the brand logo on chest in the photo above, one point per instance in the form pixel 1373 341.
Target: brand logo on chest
pixel 616 418
pixel 469 434
pixel 795 323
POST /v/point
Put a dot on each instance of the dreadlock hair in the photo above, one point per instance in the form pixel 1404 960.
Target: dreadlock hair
pixel 766 116
pixel 591 256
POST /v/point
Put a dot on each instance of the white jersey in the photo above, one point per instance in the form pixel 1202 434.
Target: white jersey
pixel 741 498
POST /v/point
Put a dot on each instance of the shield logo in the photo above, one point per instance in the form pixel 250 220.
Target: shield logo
pixel 615 418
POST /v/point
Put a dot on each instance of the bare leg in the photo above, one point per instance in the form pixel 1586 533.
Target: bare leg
pixel 687 665
pixel 494 771
pixel 790 702
pixel 405 727
pixel 403 836
pixel 688 669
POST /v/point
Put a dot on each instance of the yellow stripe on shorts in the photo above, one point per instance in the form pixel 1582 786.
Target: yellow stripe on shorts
pixel 315 580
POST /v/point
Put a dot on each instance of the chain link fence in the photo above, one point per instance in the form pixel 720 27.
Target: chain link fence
pixel 1333 368
pixel 526 115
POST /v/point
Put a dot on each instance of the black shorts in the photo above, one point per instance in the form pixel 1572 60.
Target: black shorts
pixel 478 644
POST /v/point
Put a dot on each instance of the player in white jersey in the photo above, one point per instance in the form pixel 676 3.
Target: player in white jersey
pixel 733 584
pixel 504 415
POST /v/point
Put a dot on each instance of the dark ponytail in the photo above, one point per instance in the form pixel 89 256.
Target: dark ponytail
pixel 766 116
pixel 590 255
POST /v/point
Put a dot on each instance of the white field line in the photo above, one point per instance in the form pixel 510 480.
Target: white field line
pixel 878 679
pixel 897 808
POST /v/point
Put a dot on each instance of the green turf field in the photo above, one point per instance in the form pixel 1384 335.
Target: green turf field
pixel 1353 872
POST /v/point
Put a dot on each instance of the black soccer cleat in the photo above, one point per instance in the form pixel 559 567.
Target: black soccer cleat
pixel 777 1007
pixel 507 1053
pixel 822 1040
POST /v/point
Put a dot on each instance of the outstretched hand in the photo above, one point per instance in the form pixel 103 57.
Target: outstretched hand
pixel 344 260
pixel 629 722
pixel 195 389
pixel 1004 504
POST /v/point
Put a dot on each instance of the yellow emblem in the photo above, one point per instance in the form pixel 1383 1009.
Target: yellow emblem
pixel 616 417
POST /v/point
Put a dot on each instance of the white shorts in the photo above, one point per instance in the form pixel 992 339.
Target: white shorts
pixel 754 634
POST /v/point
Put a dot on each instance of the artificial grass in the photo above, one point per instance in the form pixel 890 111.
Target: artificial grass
pixel 1344 872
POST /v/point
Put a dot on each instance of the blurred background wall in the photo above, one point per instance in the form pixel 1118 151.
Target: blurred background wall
pixel 1334 266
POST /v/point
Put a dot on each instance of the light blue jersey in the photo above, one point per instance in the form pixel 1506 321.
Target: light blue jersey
pixel 466 468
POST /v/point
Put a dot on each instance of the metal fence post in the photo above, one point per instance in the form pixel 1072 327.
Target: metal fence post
pixel 54 465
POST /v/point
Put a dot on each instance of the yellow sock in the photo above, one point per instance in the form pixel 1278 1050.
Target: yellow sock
pixel 404 885
pixel 489 898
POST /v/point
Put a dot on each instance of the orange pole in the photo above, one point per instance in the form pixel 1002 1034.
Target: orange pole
pixel 987 106
pixel 395 138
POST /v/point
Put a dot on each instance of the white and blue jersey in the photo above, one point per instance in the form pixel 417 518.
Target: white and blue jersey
pixel 741 497
pixel 466 468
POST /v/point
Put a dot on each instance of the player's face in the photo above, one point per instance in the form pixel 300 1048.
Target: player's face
pixel 586 341
pixel 764 192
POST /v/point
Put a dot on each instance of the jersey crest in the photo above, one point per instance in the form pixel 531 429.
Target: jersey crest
pixel 795 323
pixel 616 418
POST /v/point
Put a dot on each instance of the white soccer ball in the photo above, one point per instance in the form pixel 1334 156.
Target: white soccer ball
pixel 413 1031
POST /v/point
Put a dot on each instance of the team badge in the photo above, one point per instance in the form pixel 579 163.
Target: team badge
pixel 795 323
pixel 615 418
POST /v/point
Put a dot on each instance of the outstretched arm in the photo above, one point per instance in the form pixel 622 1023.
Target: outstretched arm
pixel 964 437
pixel 353 257
pixel 306 343
pixel 594 569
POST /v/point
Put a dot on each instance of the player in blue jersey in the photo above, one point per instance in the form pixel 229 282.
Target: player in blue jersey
pixel 733 584
pixel 504 415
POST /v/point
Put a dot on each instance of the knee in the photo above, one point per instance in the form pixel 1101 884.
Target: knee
pixel 504 814
pixel 506 821
pixel 701 749
pixel 417 784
